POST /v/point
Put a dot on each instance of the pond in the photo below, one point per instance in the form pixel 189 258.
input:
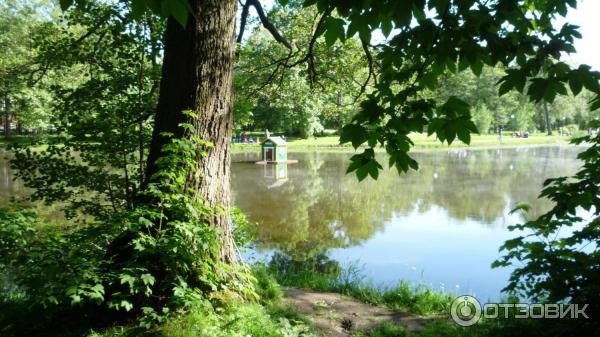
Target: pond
pixel 441 226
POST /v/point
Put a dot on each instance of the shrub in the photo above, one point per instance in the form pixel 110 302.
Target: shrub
pixel 558 253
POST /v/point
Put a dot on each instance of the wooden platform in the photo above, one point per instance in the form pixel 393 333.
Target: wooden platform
pixel 264 162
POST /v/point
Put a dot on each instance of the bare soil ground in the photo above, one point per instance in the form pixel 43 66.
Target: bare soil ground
pixel 335 315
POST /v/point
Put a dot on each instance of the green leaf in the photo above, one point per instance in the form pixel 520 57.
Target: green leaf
pixel 334 30
pixel 357 22
pixel 575 82
pixel 148 279
pixel 65 4
pixel 434 126
pixel 179 9
pixel 386 27
pixel 126 305
pixel 464 135
pixel 477 67
pixel 590 82
pixel 520 207
pixel 354 133
pixel 138 7
pixel 361 173
pixel 455 106
pixel 130 280
pixel 450 132
pixel 546 89
pixel 595 103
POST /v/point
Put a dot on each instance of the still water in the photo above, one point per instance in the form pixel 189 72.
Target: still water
pixel 441 226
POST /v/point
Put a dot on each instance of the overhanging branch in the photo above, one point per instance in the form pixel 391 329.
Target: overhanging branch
pixel 264 20
pixel 243 20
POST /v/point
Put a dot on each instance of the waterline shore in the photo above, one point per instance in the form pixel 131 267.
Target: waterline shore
pixel 330 144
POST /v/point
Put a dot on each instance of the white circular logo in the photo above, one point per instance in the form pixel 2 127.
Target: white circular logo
pixel 465 310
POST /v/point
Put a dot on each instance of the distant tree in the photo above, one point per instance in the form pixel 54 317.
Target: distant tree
pixel 482 118
pixel 102 100
pixel 23 86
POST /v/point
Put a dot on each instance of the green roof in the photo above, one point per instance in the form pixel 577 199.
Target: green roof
pixel 275 140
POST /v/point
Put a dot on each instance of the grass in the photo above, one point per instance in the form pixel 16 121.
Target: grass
pixel 331 143
pixel 438 328
pixel 488 328
pixel 422 143
pixel 418 299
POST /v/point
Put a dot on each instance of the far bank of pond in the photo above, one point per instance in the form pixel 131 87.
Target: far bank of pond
pixel 421 143
pixel 441 226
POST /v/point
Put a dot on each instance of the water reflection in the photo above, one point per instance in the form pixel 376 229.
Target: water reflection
pixel 9 187
pixel 442 224
pixel 453 211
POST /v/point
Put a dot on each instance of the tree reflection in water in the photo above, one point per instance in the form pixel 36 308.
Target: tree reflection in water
pixel 320 207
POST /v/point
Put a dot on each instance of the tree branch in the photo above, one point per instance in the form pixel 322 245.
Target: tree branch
pixel 363 87
pixel 243 19
pixel 310 57
pixel 266 23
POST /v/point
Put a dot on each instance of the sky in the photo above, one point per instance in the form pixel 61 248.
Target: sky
pixel 587 17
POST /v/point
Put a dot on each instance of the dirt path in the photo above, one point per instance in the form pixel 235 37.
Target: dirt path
pixel 335 315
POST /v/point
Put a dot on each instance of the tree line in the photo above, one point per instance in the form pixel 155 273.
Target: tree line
pixel 267 95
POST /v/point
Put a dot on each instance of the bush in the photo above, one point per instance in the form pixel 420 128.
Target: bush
pixel 145 262
pixel 557 254
pixel 266 285
pixel 203 320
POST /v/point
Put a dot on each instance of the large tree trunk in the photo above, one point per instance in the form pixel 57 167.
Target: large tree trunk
pixel 197 75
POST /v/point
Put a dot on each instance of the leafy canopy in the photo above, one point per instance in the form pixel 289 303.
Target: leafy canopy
pixel 426 39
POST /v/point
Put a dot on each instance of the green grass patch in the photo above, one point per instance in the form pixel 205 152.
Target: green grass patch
pixel 422 143
pixel 325 275
pixel 488 328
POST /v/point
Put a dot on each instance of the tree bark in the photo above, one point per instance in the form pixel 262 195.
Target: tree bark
pixel 547 117
pixel 197 75
pixel 6 118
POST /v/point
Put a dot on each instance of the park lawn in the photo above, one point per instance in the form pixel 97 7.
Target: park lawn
pixel 422 142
